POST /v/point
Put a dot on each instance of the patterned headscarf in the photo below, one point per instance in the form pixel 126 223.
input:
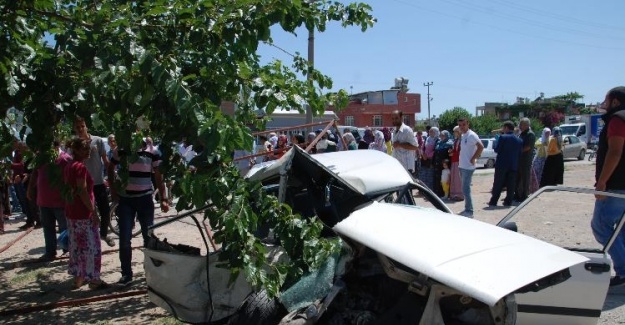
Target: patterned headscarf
pixel 378 143
pixel 349 138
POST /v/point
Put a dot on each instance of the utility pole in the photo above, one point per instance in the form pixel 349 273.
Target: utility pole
pixel 428 84
pixel 311 64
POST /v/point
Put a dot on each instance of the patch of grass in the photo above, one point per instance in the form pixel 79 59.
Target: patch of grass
pixel 29 276
pixel 101 322
pixel 169 321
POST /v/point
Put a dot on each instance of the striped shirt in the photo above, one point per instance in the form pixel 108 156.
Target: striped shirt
pixel 139 172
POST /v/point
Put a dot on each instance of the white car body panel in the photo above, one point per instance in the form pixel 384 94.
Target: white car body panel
pixel 487 263
pixel 563 304
pixel 360 169
pixel 487 154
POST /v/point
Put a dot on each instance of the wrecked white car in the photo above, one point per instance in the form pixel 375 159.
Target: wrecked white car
pixel 401 263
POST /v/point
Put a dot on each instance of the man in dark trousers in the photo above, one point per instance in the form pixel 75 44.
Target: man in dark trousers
pixel 525 160
pixel 610 177
pixel 508 150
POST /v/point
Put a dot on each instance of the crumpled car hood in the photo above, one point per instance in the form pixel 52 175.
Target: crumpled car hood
pixel 482 260
pixel 360 170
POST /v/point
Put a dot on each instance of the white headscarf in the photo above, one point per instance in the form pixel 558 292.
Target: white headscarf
pixel 545 137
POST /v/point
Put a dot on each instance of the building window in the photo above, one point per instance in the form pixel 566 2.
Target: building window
pixel 406 119
pixel 349 120
pixel 377 120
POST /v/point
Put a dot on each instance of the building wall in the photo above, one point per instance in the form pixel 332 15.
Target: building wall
pixel 363 112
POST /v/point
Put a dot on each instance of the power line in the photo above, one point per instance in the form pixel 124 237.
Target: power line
pixel 531 22
pixel 281 49
pixel 557 16
pixel 502 28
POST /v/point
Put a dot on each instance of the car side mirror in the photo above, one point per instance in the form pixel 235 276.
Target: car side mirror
pixel 566 141
pixel 510 225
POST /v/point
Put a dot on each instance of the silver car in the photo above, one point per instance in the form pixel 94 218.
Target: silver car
pixel 573 148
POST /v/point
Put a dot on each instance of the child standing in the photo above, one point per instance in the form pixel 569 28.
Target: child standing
pixel 445 178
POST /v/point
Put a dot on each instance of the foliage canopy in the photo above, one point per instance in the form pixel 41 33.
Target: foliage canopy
pixel 172 63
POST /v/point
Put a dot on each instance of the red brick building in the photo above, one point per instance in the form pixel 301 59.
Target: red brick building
pixel 374 108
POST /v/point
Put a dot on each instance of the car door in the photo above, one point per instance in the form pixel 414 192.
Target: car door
pixel 566 147
pixel 577 300
pixel 576 146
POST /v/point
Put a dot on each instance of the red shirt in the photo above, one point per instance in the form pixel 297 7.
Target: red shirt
pixel 73 172
pixel 49 195
pixel 616 128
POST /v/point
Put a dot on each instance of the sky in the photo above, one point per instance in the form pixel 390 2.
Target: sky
pixel 473 51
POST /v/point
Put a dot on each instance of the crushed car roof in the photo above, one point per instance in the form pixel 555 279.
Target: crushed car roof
pixel 366 171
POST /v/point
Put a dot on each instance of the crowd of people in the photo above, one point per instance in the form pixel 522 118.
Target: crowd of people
pixel 65 195
pixel 445 163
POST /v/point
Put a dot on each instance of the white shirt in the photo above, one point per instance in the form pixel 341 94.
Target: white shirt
pixel 406 157
pixel 445 176
pixel 468 147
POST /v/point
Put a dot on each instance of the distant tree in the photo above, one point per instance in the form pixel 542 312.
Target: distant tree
pixel 449 118
pixel 571 97
pixel 484 124
pixel 536 125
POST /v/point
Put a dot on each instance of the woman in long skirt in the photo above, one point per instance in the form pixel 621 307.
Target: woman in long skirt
pixel 553 172
pixel 455 190
pixel 538 163
pixel 83 224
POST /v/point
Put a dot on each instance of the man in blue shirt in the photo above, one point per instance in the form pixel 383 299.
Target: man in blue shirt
pixel 508 150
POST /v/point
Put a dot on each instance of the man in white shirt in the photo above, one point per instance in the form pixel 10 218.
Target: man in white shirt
pixel 404 142
pixel 470 149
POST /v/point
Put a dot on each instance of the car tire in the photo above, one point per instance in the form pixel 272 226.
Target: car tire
pixel 582 154
pixel 490 163
pixel 259 309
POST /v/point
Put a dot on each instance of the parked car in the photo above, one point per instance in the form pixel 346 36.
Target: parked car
pixel 572 147
pixel 401 263
pixel 489 156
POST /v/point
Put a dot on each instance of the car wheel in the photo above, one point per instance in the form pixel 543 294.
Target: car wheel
pixel 490 163
pixel 582 155
pixel 259 309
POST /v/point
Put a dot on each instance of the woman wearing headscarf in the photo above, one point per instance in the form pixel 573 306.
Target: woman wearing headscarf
pixel 539 160
pixel 426 173
pixel 281 147
pixel 441 153
pixel 367 139
pixel 387 140
pixel 553 172
pixel 350 141
pixel 455 190
pixel 310 138
pixel 378 142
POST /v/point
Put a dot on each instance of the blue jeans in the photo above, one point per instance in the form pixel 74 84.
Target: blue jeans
pixel 49 218
pixel 130 207
pixel 607 214
pixel 465 178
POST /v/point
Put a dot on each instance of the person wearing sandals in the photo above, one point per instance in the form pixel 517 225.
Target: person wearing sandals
pixel 83 224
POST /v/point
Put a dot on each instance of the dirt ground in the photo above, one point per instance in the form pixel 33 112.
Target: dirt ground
pixel 24 283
